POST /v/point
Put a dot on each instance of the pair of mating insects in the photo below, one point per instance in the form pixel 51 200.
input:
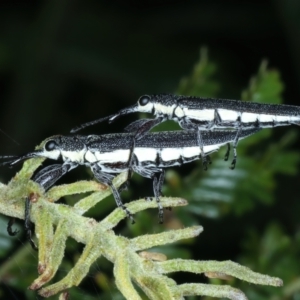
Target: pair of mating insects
pixel 208 124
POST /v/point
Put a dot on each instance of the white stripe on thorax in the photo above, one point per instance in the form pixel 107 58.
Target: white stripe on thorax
pixel 179 113
pixel 74 156
pixel 90 156
pixel 164 109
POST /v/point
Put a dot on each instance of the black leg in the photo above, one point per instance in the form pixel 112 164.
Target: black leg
pixel 203 156
pixel 227 152
pixel 49 175
pixel 235 142
pixel 46 178
pixel 130 161
pixel 161 180
pixel 10 223
pixel 107 179
pixel 217 122
pixel 158 180
pixel 140 127
pixel 124 186
pixel 208 159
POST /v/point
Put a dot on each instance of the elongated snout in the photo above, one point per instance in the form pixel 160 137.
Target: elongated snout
pixel 18 159
pixel 124 111
pixel 110 119
pixel 75 129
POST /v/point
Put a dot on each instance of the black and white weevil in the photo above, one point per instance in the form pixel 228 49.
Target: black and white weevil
pixel 108 155
pixel 205 114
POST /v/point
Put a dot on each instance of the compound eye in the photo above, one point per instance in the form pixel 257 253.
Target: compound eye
pixel 50 145
pixel 144 100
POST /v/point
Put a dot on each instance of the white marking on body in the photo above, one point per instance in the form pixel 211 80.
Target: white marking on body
pixel 164 109
pixel 295 119
pixel 249 117
pixel 90 156
pixel 266 118
pixel 189 152
pixel 113 156
pixel 228 115
pixel 75 156
pixel 107 169
pixel 179 112
pixel 146 108
pixel 211 148
pixel 145 154
pixel 200 114
pixel 168 154
pixel 280 119
pixel 54 154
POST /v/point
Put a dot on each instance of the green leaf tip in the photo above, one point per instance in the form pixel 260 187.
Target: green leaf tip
pixel 55 223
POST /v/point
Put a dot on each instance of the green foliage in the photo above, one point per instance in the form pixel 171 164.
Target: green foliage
pixel 276 251
pixel 265 87
pixel 221 190
pixel 213 193
pixel 200 82
pixel 132 263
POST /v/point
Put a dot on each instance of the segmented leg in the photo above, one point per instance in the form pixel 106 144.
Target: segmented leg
pixel 203 156
pixel 217 122
pixel 140 127
pixel 46 178
pixel 187 124
pixel 158 180
pixel 157 175
pixel 130 160
pixel 234 144
pixel 208 159
pixel 107 179
pixel 10 231
pixel 227 152
pixel 124 186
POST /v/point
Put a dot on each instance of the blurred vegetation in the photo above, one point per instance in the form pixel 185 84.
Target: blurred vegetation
pixel 63 63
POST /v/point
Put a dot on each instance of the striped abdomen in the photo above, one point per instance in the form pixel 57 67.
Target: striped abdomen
pixel 219 113
pixel 160 149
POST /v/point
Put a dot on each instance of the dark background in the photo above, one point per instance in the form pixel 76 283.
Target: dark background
pixel 64 62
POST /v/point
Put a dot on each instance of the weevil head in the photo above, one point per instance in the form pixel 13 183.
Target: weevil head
pixel 144 104
pixel 65 147
pixel 51 147
pixel 155 104
pixel 160 104
pixel 47 149
pixel 55 147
